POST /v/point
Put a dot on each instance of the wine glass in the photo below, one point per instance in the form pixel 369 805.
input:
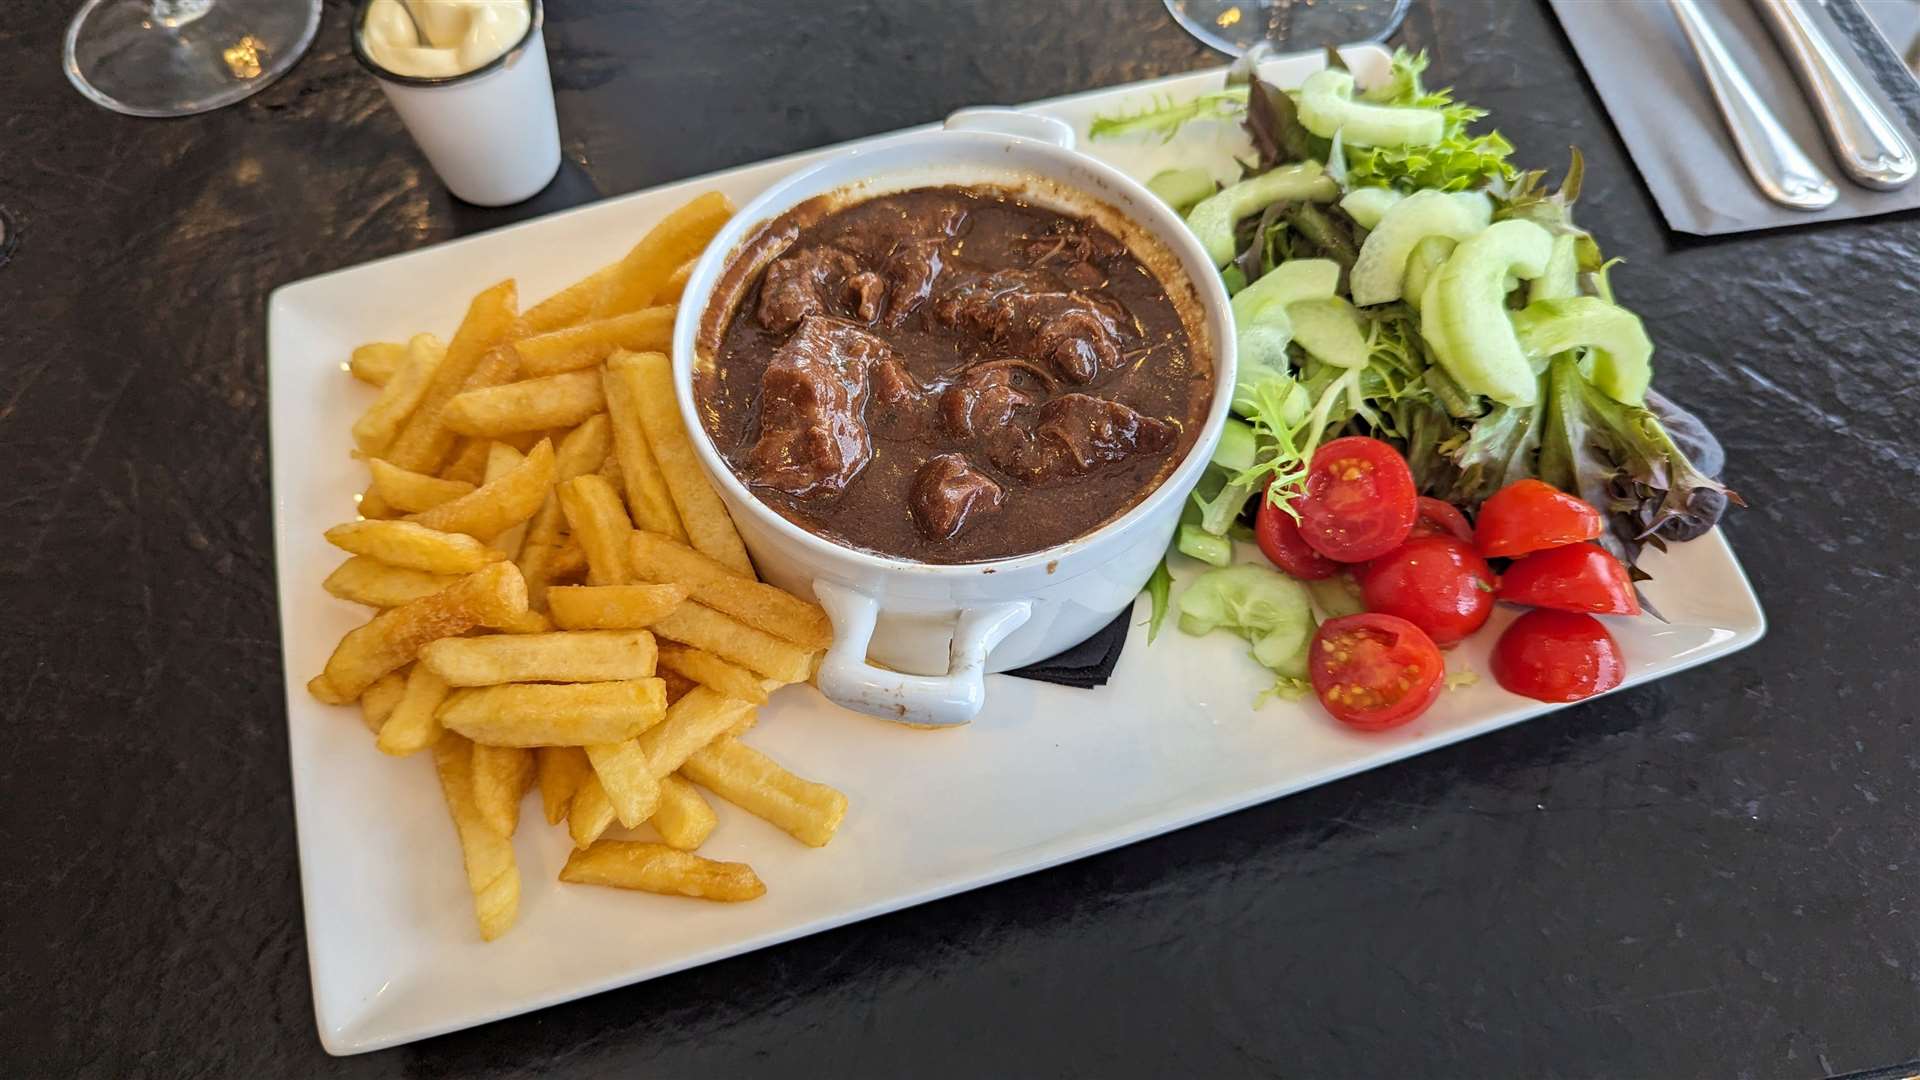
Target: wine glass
pixel 1234 26
pixel 176 57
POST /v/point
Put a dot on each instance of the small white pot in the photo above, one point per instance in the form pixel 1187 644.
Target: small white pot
pixel 913 641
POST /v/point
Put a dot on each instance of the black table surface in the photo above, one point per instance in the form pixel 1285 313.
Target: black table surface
pixel 1710 875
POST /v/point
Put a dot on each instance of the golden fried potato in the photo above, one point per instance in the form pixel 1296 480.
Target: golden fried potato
pixel 600 525
pixel 730 639
pixel 561 769
pixel 529 405
pixel 676 285
pixel 413 545
pixel 377 702
pixel 657 868
pixel 376 362
pixel 752 781
pixel 585 345
pixel 527 622
pixel 400 395
pixel 704 517
pixel 568 306
pixel 684 819
pixel 653 557
pixel 366 580
pixel 612 607
pixel 680 236
pixel 412 727
pixel 394 636
pixel 492 875
pixel 691 723
pixel 495 507
pixel 501 460
pixel 630 787
pixel 590 813
pixel 678 685
pixel 469 462
pixel 406 490
pixel 425 440
pixel 501 777
pixel 646 487
pixel 542 714
pixel 566 657
pixel 568 562
pixel 579 452
pixel 707 669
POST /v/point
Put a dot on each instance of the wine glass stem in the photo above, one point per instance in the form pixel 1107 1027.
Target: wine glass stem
pixel 174 14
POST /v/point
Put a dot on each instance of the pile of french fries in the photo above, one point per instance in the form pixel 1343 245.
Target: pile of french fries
pixel 560 597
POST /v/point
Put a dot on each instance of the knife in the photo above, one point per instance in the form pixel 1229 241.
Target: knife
pixel 1866 143
pixel 1778 166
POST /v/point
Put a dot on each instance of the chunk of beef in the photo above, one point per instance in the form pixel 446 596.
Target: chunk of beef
pixel 948 493
pixel 813 436
pixel 981 399
pixel 1077 251
pixel 897 406
pixel 1074 434
pixel 911 271
pixel 821 280
pixel 1030 314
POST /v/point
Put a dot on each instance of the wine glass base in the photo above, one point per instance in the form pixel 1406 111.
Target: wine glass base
pixel 179 57
pixel 1234 26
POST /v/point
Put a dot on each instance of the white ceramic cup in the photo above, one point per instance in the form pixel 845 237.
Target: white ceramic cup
pixel 913 641
pixel 489 133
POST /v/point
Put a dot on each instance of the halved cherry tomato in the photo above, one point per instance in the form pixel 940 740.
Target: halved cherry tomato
pixel 1279 538
pixel 1373 671
pixel 1360 500
pixel 1438 517
pixel 1532 515
pixel 1578 577
pixel 1557 656
pixel 1437 583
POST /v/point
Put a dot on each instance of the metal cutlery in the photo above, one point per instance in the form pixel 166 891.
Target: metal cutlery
pixel 1778 165
pixel 1867 145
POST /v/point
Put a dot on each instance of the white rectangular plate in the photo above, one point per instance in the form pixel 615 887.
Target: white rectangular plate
pixel 1173 739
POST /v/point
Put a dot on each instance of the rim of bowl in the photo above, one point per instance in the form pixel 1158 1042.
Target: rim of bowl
pixel 358 35
pixel 1161 224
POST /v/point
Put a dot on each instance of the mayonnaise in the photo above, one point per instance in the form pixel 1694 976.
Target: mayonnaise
pixel 461 35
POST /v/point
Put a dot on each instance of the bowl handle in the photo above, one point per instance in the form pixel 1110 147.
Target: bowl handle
pixel 1013 122
pixel 922 700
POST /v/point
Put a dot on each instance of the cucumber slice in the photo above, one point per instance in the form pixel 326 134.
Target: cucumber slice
pixel 1269 609
pixel 1329 329
pixel 1366 205
pixel 1621 358
pixel 1181 188
pixel 1196 542
pixel 1262 328
pixel 1562 278
pixel 1327 106
pixel 1237 448
pixel 1212 219
pixel 1463 313
pixel 1423 262
pixel 1291 281
pixel 1380 271
pixel 1337 596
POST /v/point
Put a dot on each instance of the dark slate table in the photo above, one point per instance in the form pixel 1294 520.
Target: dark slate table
pixel 1707 876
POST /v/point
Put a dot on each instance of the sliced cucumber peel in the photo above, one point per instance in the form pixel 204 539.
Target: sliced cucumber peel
pixel 1327 105
pixel 1620 359
pixel 1212 219
pixel 1464 317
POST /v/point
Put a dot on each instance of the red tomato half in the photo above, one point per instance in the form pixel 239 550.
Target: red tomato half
pixel 1438 517
pixel 1437 583
pixel 1531 515
pixel 1557 656
pixel 1279 538
pixel 1373 671
pixel 1578 577
pixel 1360 500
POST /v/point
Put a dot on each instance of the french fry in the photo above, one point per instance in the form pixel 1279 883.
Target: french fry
pixel 527 622
pixel 378 701
pixel 529 405
pixel 578 657
pixel 579 452
pixel 501 460
pixel 404 489
pixel 425 440
pixel 568 561
pixel 413 545
pixel 400 395
pixel 600 524
pixel 493 508
pixel 501 777
pixel 707 669
pixel 676 285
pixel 590 813
pixel 653 557
pixel 693 722
pixel 364 579
pixel 610 472
pixel 376 362
pixel 657 868
pixel 730 639
pixel 752 781
pixel 369 505
pixel 680 236
pixel 630 787
pixel 586 344
pixel 469 462
pixel 394 636
pixel 678 686
pixel 540 714
pixel 683 819
pixel 647 494
pixel 709 529
pixel 492 876
pixel 561 771
pixel 412 726
pixel 569 305
pixel 612 607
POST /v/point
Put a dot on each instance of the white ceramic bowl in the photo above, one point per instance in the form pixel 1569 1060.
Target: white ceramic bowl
pixel 913 641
